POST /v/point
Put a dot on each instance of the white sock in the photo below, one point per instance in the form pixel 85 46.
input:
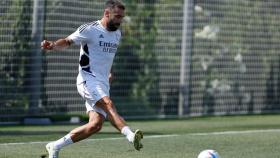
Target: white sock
pixel 128 133
pixel 62 142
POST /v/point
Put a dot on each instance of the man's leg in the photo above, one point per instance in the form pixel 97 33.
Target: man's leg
pixel 119 123
pixel 93 126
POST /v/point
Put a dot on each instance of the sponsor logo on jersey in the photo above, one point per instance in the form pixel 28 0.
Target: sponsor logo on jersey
pixel 108 47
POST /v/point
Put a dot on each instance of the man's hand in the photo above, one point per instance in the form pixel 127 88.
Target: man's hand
pixel 48 45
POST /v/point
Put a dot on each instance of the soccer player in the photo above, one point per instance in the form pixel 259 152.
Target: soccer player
pixel 99 41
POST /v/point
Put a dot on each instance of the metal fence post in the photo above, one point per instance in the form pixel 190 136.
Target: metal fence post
pixel 185 67
pixel 36 36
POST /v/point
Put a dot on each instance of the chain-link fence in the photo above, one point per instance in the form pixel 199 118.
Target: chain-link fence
pixel 176 58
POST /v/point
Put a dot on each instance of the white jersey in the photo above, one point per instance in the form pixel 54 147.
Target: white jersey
pixel 98 49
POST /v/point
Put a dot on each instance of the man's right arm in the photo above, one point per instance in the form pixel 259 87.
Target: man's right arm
pixel 56 45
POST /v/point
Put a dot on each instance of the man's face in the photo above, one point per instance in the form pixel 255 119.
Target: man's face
pixel 116 16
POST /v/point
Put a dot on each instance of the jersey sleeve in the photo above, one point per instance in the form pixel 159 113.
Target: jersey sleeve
pixel 80 35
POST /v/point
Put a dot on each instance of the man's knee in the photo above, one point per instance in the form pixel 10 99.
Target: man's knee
pixel 93 127
pixel 106 104
pixel 106 101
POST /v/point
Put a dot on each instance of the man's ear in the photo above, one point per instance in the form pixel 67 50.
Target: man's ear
pixel 107 13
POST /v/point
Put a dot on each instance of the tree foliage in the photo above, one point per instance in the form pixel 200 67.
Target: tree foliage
pixel 239 41
pixel 136 60
pixel 15 54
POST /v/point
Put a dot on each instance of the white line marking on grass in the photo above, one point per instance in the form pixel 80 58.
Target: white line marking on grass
pixel 21 143
pixel 89 140
pixel 161 136
pixel 236 132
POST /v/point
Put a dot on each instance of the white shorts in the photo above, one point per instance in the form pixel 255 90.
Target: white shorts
pixel 93 91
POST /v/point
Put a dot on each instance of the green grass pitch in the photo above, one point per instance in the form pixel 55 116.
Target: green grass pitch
pixel 231 136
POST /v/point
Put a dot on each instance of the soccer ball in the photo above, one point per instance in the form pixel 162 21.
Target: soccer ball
pixel 209 153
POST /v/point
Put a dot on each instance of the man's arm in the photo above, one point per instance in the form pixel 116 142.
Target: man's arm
pixel 56 45
pixel 110 77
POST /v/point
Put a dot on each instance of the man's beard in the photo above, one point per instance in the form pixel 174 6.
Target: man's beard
pixel 111 26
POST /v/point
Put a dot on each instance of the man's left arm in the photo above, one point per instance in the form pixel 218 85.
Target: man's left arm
pixel 59 44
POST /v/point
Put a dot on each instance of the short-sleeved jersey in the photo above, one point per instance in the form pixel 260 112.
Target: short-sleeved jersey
pixel 98 49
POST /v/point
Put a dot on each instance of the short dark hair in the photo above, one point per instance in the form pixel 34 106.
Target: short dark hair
pixel 114 3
